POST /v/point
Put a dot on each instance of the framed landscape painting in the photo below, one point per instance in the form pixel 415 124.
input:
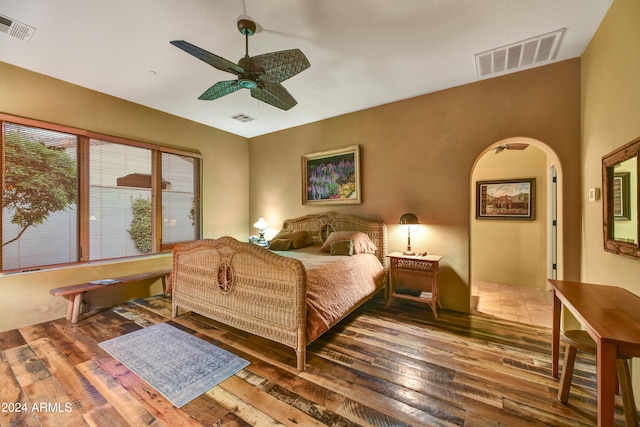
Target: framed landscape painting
pixel 506 199
pixel 331 177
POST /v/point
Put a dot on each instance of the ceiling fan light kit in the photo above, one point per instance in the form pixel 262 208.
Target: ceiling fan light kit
pixel 261 74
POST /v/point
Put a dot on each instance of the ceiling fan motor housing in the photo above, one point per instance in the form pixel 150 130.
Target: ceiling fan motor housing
pixel 246 27
pixel 248 79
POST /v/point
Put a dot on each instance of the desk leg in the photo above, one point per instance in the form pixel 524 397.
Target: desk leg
pixel 606 380
pixel 555 335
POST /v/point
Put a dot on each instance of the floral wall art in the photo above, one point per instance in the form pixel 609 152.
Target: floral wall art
pixel 331 177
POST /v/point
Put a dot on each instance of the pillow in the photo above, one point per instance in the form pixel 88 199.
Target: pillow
pixel 344 247
pixel 299 239
pixel 280 244
pixel 362 244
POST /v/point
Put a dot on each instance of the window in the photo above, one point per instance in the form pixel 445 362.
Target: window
pixel 70 195
pixel 120 200
pixel 180 179
pixel 40 192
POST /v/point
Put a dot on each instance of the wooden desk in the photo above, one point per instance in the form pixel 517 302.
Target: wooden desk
pixel 611 316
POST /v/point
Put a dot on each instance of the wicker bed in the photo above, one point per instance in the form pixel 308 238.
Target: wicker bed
pixel 256 290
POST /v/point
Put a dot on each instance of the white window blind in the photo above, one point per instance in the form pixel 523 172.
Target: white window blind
pixel 120 200
pixel 179 201
pixel 39 198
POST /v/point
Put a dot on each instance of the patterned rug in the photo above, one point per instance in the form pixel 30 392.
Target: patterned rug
pixel 177 364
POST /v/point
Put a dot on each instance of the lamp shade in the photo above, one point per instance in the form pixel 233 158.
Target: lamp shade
pixel 409 218
pixel 261 224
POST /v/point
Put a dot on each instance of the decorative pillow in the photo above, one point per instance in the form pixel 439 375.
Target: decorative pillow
pixel 280 244
pixel 299 239
pixel 344 247
pixel 362 244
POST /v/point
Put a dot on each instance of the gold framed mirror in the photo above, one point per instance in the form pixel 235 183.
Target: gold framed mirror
pixel 620 200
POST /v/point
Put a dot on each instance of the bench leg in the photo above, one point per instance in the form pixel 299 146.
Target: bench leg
pixel 77 299
pixel 70 306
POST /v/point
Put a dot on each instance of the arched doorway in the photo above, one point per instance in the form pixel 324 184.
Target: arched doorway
pixel 511 259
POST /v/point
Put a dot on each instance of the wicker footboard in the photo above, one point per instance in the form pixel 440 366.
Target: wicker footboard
pixel 243 286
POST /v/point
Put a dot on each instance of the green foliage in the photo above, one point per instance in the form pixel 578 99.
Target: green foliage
pixel 140 230
pixel 38 181
pixel 192 212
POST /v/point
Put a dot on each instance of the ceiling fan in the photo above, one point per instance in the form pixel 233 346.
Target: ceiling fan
pixel 511 146
pixel 262 74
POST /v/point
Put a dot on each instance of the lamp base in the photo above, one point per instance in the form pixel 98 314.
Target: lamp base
pixel 261 240
pixel 408 253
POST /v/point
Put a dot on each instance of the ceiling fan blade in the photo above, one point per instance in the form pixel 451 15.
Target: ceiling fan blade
pixel 220 89
pixel 274 94
pixel 279 66
pixel 208 57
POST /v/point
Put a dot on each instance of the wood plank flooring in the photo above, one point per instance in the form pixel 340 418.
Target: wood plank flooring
pixel 394 366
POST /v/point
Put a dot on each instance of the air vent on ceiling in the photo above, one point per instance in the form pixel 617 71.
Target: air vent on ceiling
pixel 16 29
pixel 242 118
pixel 524 54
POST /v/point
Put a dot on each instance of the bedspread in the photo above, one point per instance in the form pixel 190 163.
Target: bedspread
pixel 335 284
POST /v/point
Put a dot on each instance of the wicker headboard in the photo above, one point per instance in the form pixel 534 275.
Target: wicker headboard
pixel 319 226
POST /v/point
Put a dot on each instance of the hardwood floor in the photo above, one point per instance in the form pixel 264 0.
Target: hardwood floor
pixel 394 366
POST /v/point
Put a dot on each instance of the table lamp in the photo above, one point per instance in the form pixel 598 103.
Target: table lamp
pixel 261 225
pixel 409 219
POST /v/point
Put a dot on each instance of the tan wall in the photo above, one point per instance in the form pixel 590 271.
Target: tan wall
pixel 610 111
pixel 417 156
pixel 511 252
pixel 25 297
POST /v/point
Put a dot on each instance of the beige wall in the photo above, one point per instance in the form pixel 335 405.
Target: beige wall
pixel 511 251
pixel 610 112
pixel 610 119
pixel 417 156
pixel 25 296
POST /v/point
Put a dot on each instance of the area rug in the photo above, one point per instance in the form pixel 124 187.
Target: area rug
pixel 177 364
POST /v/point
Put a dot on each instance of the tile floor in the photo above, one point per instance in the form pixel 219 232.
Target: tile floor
pixel 517 303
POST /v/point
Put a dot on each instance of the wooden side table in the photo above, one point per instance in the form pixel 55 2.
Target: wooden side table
pixel 427 266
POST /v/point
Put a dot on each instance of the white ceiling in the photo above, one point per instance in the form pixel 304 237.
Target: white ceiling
pixel 363 53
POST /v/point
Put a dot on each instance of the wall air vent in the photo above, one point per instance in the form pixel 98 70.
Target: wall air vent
pixel 517 56
pixel 16 29
pixel 241 117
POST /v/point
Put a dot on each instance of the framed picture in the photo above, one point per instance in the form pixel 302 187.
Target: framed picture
pixel 506 199
pixel 621 205
pixel 331 177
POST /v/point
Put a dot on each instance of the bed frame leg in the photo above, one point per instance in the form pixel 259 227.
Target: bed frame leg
pixel 301 359
pixel 174 310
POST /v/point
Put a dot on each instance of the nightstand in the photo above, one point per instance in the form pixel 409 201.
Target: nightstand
pixel 427 266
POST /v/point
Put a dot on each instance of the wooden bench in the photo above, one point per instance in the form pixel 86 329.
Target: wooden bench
pixel 74 292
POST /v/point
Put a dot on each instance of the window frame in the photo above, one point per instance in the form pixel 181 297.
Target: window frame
pixel 84 136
